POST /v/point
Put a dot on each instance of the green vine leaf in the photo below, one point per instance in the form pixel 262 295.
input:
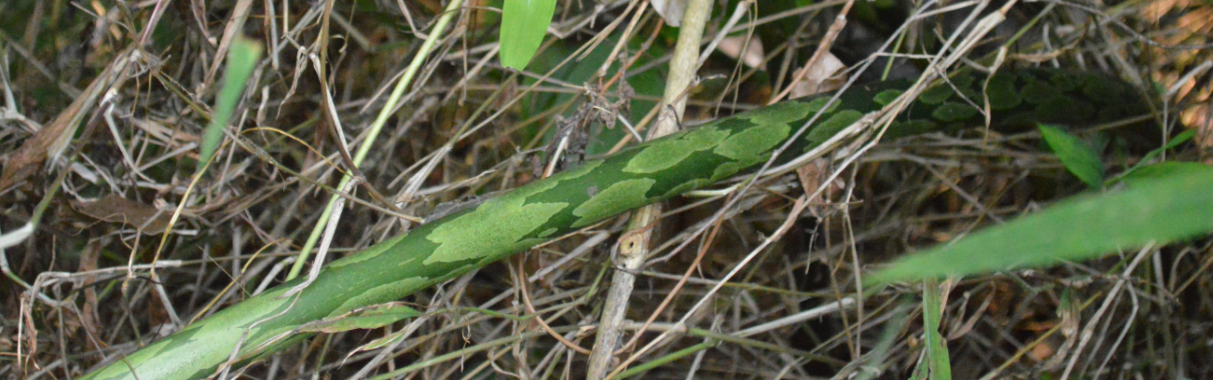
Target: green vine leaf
pixel 523 24
pixel 1076 155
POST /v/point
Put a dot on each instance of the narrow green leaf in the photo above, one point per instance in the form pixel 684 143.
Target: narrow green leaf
pixel 1149 157
pixel 241 60
pixel 937 349
pixel 1161 211
pixel 523 24
pixel 1183 137
pixel 1148 173
pixel 1076 155
pixel 371 317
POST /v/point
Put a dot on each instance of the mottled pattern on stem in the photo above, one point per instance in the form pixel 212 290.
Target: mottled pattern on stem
pixel 544 209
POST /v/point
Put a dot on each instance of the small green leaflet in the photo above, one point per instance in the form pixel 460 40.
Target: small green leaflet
pixel 1159 211
pixel 935 364
pixel 241 60
pixel 1076 155
pixel 1146 161
pixel 523 24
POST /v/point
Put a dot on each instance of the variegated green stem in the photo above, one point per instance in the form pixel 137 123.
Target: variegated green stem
pixel 644 174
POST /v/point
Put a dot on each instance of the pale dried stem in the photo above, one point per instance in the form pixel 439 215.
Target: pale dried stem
pixel 633 245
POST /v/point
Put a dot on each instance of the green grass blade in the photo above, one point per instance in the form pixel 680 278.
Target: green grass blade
pixel 523 24
pixel 1148 159
pixel 937 349
pixel 1150 173
pixel 1159 211
pixel 1076 155
pixel 241 61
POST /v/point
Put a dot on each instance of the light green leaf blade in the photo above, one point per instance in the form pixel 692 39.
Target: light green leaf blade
pixel 1149 157
pixel 523 24
pixel 1149 173
pixel 1076 155
pixel 241 60
pixel 1160 211
pixel 937 349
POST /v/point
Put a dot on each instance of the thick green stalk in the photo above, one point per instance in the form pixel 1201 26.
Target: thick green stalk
pixel 644 174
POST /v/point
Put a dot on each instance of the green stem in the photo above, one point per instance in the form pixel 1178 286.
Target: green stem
pixel 644 174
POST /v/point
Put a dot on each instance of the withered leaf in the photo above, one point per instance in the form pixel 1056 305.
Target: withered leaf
pixel 53 139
